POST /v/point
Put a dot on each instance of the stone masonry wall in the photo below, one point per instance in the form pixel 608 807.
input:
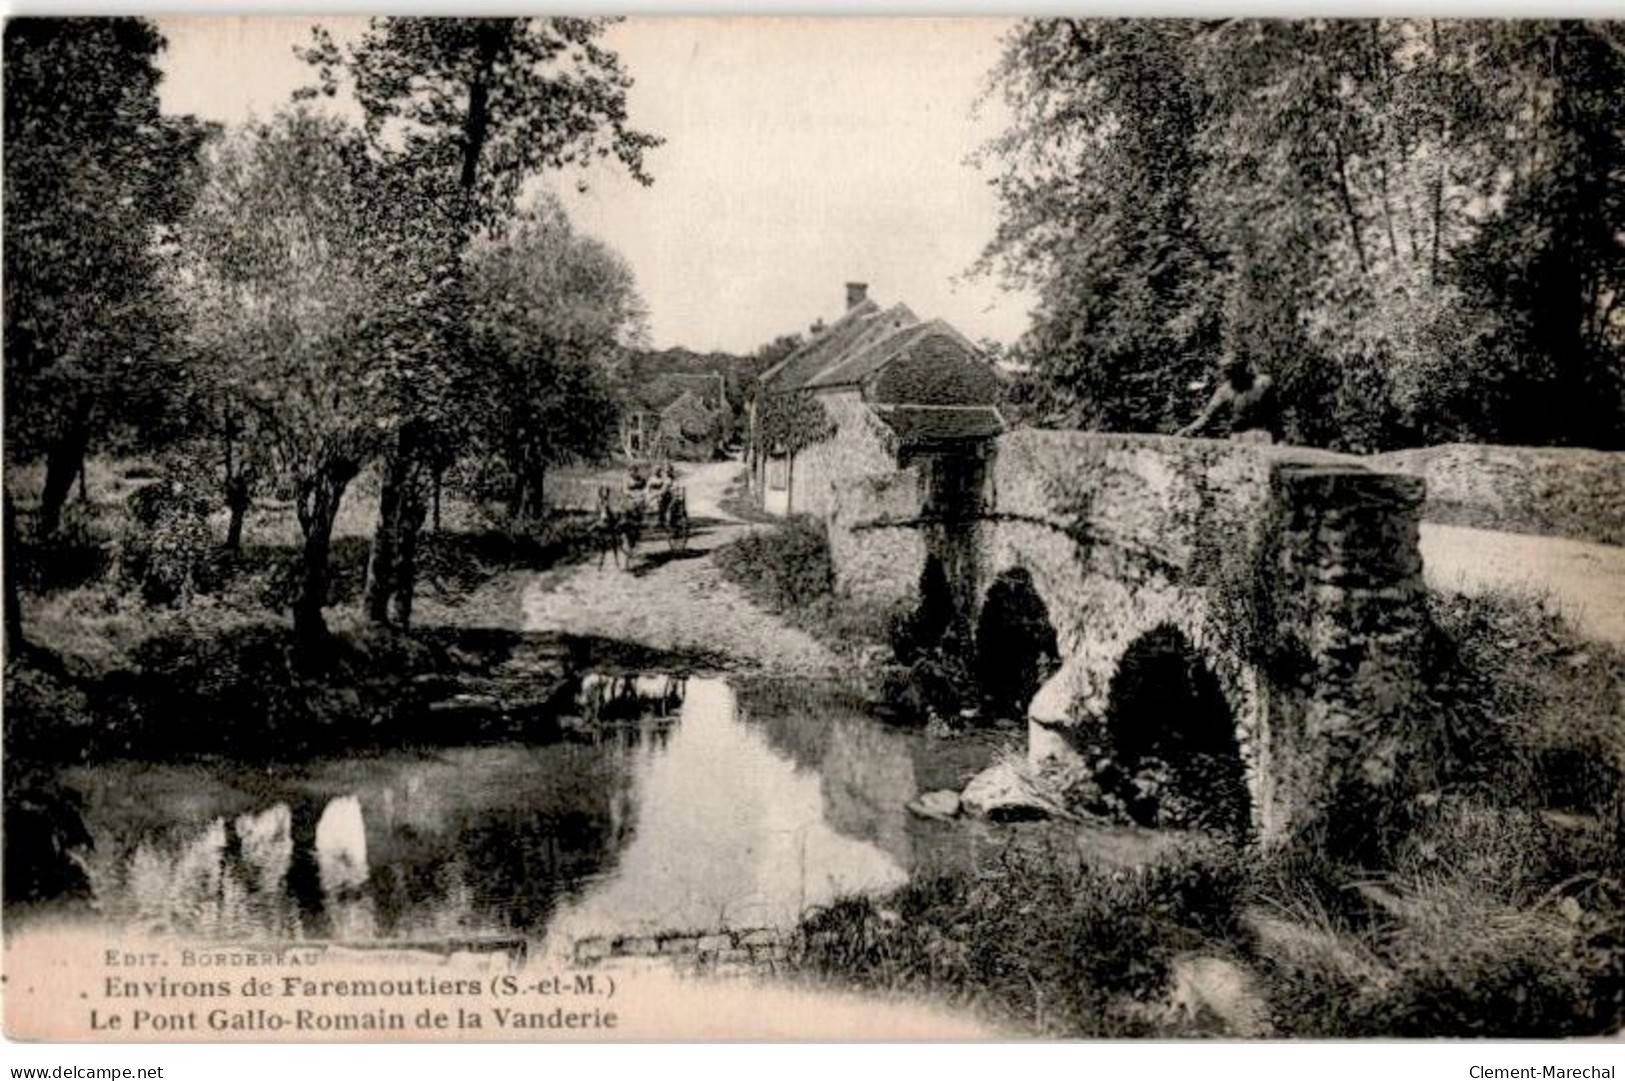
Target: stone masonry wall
pixel 878 564
pixel 1554 491
pixel 1351 627
pixel 1122 535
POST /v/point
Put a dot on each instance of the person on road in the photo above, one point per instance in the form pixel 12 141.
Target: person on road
pixel 1243 406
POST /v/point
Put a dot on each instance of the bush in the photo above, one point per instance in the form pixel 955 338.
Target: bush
pixel 45 831
pixel 1460 963
pixel 784 568
pixel 167 550
pixel 1483 929
pixel 81 552
pixel 1037 937
pixel 1530 711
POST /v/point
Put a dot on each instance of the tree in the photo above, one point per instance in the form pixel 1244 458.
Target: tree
pixel 496 101
pixel 551 312
pixel 312 275
pixel 92 171
pixel 491 103
pixel 1097 179
pixel 1371 211
pixel 766 358
pixel 1549 271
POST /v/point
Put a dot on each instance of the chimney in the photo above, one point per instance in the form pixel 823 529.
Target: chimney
pixel 856 293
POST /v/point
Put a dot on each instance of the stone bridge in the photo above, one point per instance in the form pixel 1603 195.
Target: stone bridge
pixel 1284 581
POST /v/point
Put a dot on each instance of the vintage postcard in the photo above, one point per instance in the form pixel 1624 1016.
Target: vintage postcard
pixel 569 528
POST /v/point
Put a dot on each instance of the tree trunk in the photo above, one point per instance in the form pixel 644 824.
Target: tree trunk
pixel 239 496
pixel 63 461
pixel 412 513
pixel 319 506
pixel 14 603
pixel 1348 206
pixel 234 528
pixel 381 559
pixel 478 117
pixel 1438 181
pixel 84 482
pixel 439 479
pixel 531 478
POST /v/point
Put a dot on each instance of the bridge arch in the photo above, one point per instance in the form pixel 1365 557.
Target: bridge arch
pixel 1017 648
pixel 1126 645
pixel 1168 714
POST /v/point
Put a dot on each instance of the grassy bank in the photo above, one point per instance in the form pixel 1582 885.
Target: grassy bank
pixel 114 668
pixel 1502 913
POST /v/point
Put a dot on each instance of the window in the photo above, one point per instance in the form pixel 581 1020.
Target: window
pixel 778 474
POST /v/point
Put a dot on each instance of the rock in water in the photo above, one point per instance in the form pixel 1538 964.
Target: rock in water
pixel 942 805
pixel 1001 793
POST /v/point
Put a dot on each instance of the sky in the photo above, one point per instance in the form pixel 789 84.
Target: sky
pixel 801 153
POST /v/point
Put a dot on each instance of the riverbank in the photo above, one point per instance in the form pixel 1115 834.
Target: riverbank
pixel 499 621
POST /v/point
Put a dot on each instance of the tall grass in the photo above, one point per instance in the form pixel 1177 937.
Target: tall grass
pixel 1501 913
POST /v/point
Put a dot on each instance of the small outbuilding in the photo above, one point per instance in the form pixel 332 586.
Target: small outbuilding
pixel 677 415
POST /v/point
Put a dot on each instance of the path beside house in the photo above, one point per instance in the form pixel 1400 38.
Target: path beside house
pixel 675 601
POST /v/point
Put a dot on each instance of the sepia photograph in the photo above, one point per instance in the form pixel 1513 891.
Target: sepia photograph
pixel 825 528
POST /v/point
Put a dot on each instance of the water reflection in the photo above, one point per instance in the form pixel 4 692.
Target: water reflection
pixel 734 835
pixel 666 805
pixel 604 697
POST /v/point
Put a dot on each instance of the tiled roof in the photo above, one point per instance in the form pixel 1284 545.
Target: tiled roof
pixel 794 370
pixel 915 424
pixel 934 365
pixel 870 352
pixel 893 357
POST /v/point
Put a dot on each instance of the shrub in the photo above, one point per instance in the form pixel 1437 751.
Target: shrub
pixel 167 550
pixel 784 568
pixel 1531 712
pixel 932 643
pixel 1474 936
pixel 1036 937
pixel 45 829
pixel 81 552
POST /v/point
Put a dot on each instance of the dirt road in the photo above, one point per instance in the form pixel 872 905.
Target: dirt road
pixel 675 600
pixel 1585 582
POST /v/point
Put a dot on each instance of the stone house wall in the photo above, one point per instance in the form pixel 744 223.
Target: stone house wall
pixel 878 554
pixel 861 446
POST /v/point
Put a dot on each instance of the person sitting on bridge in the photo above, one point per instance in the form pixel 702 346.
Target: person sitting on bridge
pixel 1243 405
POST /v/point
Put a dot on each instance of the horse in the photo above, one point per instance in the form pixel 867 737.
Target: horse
pixel 631 530
pixel 677 523
pixel 606 529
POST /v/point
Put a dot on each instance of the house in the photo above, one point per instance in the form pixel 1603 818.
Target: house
pixel 887 389
pixel 677 415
